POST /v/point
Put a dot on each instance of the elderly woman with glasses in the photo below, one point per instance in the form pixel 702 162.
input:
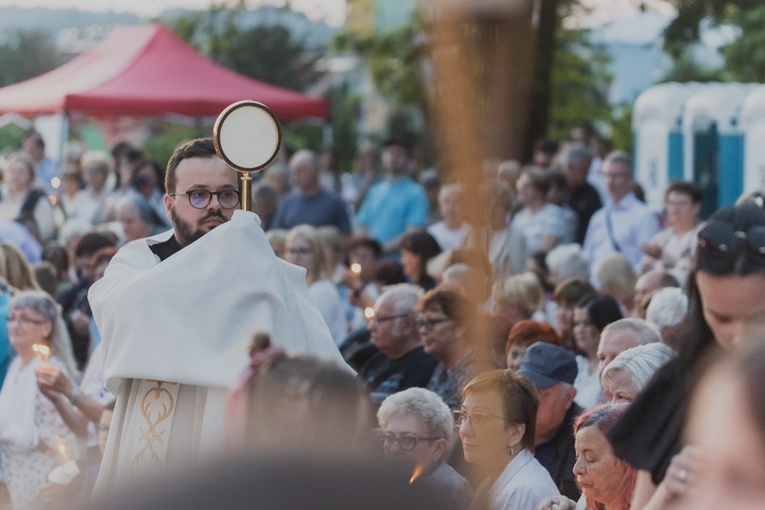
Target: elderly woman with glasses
pixel 497 422
pixel 445 320
pixel 416 428
pixel 33 437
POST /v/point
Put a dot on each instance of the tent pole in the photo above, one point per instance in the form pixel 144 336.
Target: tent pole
pixel 64 139
pixel 326 131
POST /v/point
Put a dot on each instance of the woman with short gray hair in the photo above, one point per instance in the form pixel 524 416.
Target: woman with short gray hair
pixel 631 370
pixel 136 216
pixel 416 428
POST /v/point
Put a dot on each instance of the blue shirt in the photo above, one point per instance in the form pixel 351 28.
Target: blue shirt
pixel 391 207
pixel 7 353
pixel 46 171
pixel 633 224
pixel 323 208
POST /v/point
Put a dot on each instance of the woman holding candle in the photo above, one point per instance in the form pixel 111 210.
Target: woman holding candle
pixel 33 437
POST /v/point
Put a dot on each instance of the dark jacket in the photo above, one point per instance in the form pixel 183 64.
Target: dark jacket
pixel 384 376
pixel 560 449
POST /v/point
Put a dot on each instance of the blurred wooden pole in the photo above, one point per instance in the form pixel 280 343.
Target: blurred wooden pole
pixel 481 55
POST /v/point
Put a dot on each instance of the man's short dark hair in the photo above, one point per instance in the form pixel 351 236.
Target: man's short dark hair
pixel 546 146
pixel 685 188
pixel 367 242
pixel 199 148
pixel 91 243
pixel 36 138
pixel 396 141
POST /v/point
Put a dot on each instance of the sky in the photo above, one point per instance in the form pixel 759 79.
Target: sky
pixel 331 12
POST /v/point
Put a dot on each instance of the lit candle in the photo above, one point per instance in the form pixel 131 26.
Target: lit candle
pixel 42 352
pixel 62 453
pixel 356 268
pixel 417 472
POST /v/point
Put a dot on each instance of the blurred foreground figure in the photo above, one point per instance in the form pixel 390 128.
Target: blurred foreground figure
pixel 297 403
pixel 177 312
pixel 281 483
pixel 726 432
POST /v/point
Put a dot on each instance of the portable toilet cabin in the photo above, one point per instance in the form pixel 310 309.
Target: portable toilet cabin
pixel 657 121
pixel 714 143
pixel 753 125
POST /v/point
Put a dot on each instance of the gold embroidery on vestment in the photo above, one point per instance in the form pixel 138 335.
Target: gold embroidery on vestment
pixel 156 406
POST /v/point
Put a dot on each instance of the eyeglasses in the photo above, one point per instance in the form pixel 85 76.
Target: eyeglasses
pixel 201 198
pixel 298 252
pixel 719 240
pixel 428 324
pixel 477 420
pixel 24 321
pixel 406 442
pixel 388 318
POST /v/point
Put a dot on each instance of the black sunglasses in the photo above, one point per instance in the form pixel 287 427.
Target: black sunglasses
pixel 719 240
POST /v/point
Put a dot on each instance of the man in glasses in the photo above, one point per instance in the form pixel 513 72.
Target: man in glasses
pixel 178 312
pixel 625 223
pixel 401 362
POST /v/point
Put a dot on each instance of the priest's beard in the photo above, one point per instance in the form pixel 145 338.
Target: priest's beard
pixel 185 233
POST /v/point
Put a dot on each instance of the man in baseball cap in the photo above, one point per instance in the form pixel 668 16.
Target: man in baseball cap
pixel 553 369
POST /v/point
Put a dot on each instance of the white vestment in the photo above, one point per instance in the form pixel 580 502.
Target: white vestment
pixel 177 333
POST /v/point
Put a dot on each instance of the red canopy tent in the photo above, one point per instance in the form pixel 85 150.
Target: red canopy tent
pixel 148 70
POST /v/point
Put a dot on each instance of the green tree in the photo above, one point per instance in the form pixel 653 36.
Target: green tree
pixel 745 56
pixel 273 54
pixel 270 53
pixel 579 84
pixel 394 61
pixel 25 55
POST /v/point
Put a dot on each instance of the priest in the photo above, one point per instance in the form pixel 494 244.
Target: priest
pixel 177 313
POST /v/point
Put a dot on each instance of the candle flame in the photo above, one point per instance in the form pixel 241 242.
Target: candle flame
pixel 356 268
pixel 42 352
pixel 369 312
pixel 417 472
pixel 62 453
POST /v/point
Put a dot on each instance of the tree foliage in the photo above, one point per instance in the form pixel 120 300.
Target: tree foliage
pixel 394 61
pixel 270 53
pixel 25 55
pixel 745 56
pixel 579 82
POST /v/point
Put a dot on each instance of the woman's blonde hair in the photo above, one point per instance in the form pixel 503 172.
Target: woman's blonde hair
pixel 16 270
pixel 522 290
pixel 617 278
pixel 318 269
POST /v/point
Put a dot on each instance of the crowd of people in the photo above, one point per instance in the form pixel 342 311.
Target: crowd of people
pixel 565 347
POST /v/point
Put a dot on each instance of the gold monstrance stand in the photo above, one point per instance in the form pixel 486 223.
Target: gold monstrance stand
pixel 247 137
